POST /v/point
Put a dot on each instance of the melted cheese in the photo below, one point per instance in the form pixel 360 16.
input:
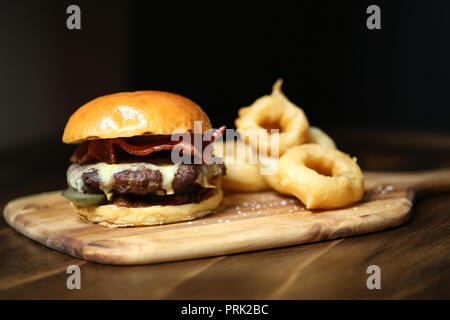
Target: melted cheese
pixel 168 172
pixel 205 174
pixel 106 174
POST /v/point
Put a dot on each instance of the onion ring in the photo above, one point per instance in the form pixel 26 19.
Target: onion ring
pixel 322 178
pixel 242 168
pixel 316 135
pixel 271 179
pixel 274 111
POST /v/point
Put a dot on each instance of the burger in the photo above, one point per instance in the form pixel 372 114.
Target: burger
pixel 126 169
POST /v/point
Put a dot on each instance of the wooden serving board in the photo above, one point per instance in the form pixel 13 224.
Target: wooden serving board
pixel 244 222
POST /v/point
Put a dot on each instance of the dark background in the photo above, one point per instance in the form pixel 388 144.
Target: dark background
pixel 337 70
pixel 223 55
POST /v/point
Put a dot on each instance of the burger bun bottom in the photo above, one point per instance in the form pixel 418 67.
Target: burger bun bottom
pixel 111 215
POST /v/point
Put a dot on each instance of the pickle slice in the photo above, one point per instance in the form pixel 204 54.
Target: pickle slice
pixel 83 199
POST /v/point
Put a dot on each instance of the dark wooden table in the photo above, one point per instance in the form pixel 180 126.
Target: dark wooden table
pixel 414 258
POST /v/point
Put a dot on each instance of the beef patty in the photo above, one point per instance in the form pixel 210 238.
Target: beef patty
pixel 145 181
pixel 192 194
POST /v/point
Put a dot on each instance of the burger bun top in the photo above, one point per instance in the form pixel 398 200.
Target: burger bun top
pixel 128 114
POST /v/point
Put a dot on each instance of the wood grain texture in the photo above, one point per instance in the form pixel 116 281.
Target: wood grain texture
pixel 245 222
pixel 413 258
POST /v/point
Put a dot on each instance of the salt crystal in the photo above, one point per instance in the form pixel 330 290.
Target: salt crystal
pixel 226 221
pixel 189 222
pixel 283 203
pixel 220 220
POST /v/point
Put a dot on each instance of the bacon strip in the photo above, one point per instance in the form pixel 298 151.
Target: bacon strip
pixel 103 150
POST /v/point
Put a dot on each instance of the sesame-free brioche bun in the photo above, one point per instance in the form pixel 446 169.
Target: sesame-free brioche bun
pixel 111 215
pixel 128 114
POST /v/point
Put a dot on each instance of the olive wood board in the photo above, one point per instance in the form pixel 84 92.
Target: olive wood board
pixel 244 222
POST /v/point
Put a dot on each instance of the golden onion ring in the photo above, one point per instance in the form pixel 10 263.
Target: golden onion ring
pixel 271 165
pixel 242 168
pixel 316 135
pixel 273 111
pixel 322 178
